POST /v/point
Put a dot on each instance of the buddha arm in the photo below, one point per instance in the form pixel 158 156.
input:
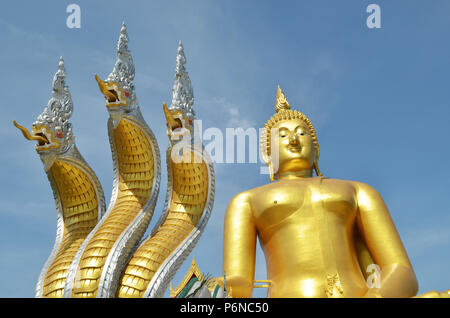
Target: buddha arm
pixel 378 230
pixel 239 246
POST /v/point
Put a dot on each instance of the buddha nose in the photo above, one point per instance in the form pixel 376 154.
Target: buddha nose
pixel 293 139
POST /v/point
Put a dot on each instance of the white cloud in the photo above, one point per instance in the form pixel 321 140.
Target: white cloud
pixel 230 114
pixel 421 240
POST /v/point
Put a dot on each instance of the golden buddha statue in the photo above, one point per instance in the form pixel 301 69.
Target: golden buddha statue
pixel 320 236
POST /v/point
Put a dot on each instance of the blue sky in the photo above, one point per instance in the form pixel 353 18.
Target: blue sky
pixel 377 97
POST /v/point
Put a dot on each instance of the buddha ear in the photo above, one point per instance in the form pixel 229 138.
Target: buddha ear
pixel 265 157
pixel 316 168
pixel 316 161
pixel 263 147
pixel 270 165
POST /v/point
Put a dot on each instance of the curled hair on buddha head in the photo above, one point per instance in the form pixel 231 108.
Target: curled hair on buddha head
pixel 284 112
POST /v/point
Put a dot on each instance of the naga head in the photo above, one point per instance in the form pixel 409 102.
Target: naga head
pixel 52 129
pixel 180 115
pixel 118 88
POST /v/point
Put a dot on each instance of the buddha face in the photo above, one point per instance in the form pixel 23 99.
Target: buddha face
pixel 295 146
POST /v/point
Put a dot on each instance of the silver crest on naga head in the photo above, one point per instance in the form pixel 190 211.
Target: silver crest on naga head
pixel 53 123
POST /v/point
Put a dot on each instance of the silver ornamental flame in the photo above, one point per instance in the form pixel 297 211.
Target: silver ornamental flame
pixel 56 115
pixel 182 92
pixel 182 102
pixel 123 71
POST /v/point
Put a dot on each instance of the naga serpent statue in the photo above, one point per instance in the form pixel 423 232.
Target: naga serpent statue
pixel 78 194
pixel 101 253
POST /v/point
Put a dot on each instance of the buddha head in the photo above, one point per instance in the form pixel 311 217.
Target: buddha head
pixel 296 145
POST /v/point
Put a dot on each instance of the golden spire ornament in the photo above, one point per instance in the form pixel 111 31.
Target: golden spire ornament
pixel 281 101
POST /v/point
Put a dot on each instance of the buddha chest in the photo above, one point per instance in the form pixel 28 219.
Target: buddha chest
pixel 303 201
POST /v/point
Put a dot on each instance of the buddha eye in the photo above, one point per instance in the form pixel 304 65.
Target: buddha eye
pixel 283 133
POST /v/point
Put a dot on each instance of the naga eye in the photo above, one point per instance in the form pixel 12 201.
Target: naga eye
pixel 59 134
pixel 127 93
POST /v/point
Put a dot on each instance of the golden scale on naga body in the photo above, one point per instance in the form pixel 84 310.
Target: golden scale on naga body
pixel 319 235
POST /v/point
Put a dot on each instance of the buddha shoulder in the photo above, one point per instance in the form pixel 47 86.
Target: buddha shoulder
pixel 256 193
pixel 358 189
pixel 357 193
pixel 242 202
pixel 355 186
